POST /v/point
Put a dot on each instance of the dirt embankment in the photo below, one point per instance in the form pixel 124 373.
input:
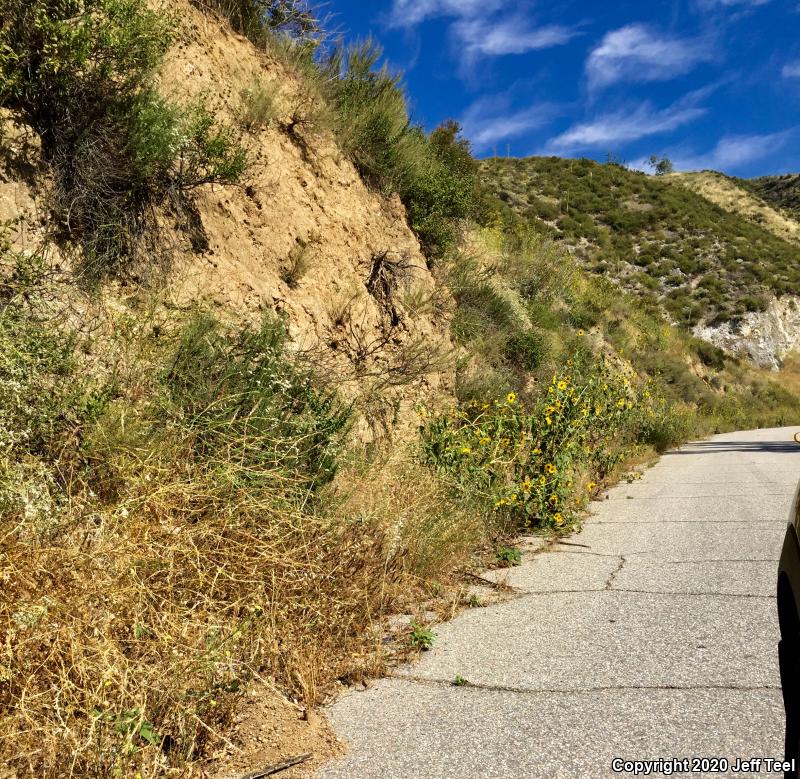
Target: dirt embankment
pixel 305 237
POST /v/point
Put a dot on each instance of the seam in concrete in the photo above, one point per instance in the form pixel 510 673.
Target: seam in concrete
pixel 613 574
pixel 522 593
pixel 674 562
pixel 600 688
pixel 692 522
pixel 699 497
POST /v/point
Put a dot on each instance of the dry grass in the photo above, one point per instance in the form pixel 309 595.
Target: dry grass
pixel 164 553
pixel 728 195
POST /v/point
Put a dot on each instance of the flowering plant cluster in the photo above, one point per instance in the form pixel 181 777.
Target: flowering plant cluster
pixel 541 461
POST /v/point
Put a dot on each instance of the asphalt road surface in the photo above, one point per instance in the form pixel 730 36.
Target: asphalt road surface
pixel 651 634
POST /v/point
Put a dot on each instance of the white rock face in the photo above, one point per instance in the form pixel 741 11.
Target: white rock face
pixel 765 337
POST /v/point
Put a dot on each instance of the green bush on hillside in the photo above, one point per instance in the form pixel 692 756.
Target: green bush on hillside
pixel 539 462
pixel 435 176
pixel 626 223
pixel 258 19
pixel 81 73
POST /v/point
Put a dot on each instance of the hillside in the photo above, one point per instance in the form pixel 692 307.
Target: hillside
pixel 275 368
pixel 782 192
pixel 739 197
pixel 670 245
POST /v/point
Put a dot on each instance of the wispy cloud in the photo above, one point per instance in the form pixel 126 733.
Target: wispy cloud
pixel 407 13
pixel 729 3
pixel 491 119
pixel 638 53
pixel 482 28
pixel 514 35
pixel 791 70
pixel 609 130
pixel 732 152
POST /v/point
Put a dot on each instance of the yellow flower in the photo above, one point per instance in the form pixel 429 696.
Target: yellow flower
pixel 542 480
pixel 548 420
pixel 621 403
pixel 553 499
pixel 549 410
pixel 591 485
pixel 550 468
pixel 526 485
pixel 511 397
pixel 559 520
pixel 562 385
pixel 537 450
pixel 581 333
pixel 485 440
pixel 504 442
pixel 465 450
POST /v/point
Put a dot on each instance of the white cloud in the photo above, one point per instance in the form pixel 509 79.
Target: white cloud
pixel 490 120
pixel 618 127
pixel 733 152
pixel 637 53
pixel 791 70
pixel 407 13
pixel 509 36
pixel 481 28
pixel 729 3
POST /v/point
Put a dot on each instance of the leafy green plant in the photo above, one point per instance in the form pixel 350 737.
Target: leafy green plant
pixel 422 637
pixel 242 395
pixel 460 681
pixel 260 19
pixel 435 176
pixel 82 74
pixel 529 461
pixel 258 107
pixel 508 556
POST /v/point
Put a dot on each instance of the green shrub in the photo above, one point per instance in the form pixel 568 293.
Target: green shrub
pixel 710 355
pixel 241 397
pixel 81 73
pixel 435 176
pixel 258 107
pixel 529 462
pixel 527 350
pixel 258 19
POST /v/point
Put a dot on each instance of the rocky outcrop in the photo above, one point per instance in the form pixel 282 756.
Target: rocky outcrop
pixel 765 337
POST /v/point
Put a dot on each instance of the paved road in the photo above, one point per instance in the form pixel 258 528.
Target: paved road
pixel 651 634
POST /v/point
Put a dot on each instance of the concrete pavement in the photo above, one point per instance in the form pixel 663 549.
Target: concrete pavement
pixel 651 634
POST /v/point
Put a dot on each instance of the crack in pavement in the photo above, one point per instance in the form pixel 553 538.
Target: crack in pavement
pixel 671 562
pixel 569 690
pixel 613 574
pixel 691 522
pixel 520 593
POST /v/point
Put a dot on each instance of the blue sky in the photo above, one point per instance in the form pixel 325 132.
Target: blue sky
pixel 711 83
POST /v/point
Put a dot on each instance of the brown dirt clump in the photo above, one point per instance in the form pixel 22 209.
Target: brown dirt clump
pixel 268 730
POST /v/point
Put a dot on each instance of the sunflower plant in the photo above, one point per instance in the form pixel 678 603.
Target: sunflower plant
pixel 539 460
